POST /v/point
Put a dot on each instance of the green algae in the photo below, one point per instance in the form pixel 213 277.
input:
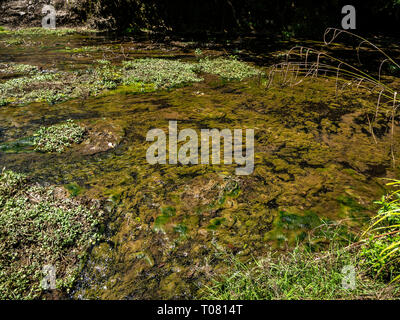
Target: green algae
pixel 215 223
pixel 161 220
pixel 181 228
pixel 352 204
pixel 18 146
pixel 289 228
pixel 74 189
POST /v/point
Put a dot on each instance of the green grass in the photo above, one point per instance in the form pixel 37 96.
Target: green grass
pixel 297 275
pixel 38 227
pixel 58 137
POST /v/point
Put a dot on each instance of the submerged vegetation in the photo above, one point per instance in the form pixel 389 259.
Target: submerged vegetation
pixel 41 226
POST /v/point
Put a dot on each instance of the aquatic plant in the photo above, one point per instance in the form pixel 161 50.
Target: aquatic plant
pixel 82 49
pixel 25 89
pixel 3 102
pixel 139 75
pixel 198 52
pixel 38 227
pixel 58 137
pixel 230 69
pixel 103 61
pixel 161 72
pixel 19 68
pixel 14 41
pixel 10 182
pixel 38 31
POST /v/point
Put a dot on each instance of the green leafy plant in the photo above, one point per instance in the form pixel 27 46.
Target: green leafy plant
pixel 382 251
pixel 39 226
pixel 229 69
pixel 3 102
pixel 198 52
pixel 38 31
pixel 58 137
pixel 161 72
pixel 10 181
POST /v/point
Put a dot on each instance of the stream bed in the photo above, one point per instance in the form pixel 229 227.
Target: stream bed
pixel 170 226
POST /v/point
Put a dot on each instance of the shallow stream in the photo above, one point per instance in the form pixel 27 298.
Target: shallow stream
pixel 315 162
